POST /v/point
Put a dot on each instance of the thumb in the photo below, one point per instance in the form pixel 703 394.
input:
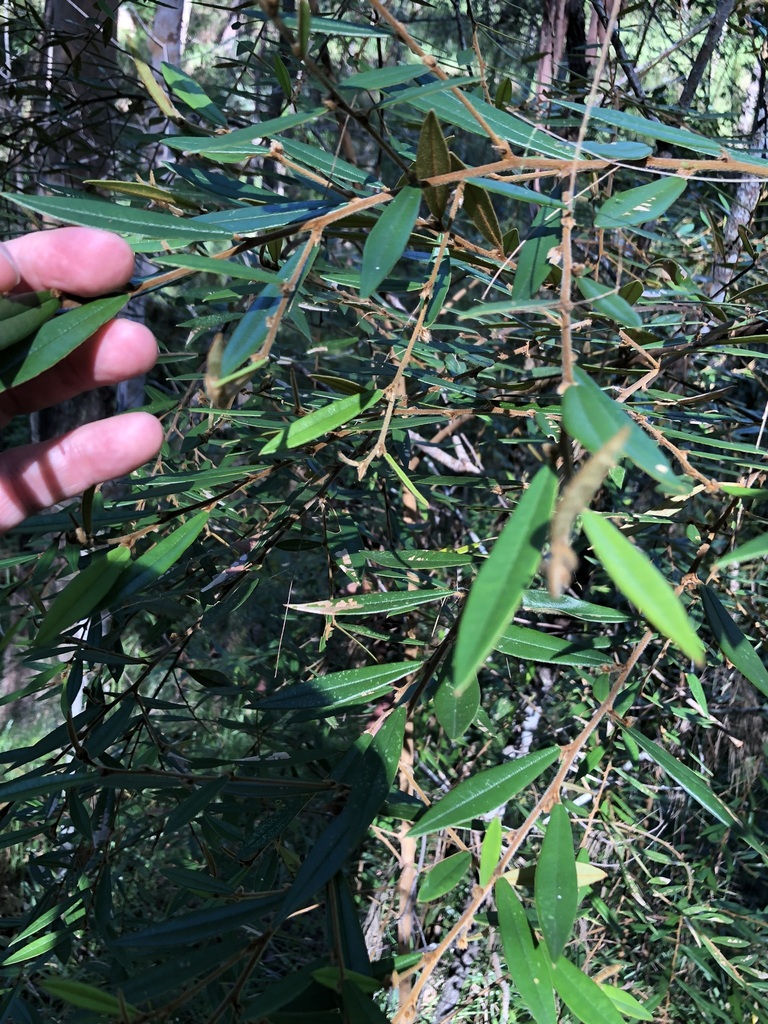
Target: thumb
pixel 9 272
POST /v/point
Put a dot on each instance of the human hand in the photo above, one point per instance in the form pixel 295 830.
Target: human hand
pixel 87 262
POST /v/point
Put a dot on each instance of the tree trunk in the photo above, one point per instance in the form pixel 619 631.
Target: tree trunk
pixel 169 32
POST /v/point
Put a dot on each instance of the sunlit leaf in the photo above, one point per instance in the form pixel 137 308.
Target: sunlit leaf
pixel 444 876
pixel 374 604
pixel 641 582
pixel 490 851
pixel 322 421
pixel 755 548
pixel 192 93
pixel 485 791
pixel 583 996
pixel 638 205
pixel 535 645
pixel 339 689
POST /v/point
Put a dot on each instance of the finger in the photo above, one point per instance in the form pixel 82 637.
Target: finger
pixel 119 350
pixel 10 275
pixel 82 261
pixel 39 475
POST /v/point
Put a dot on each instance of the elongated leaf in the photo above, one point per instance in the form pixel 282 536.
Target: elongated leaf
pixel 444 876
pixel 525 962
pixel 626 1003
pixel 433 158
pixel 388 239
pixel 97 213
pixel 490 851
pixel 359 1007
pixel 87 997
pixel 583 996
pixel 31 950
pixel 732 642
pixel 242 141
pixel 382 78
pixel 210 921
pixel 340 689
pixel 756 548
pixel 638 205
pixel 149 567
pixel 251 332
pixel 83 595
pixel 373 776
pixel 512 191
pixel 322 421
pixel 608 303
pixel 533 645
pixel 692 782
pixel 651 129
pixel 250 220
pixel 484 792
pixel 211 265
pixel 190 92
pixel 456 708
pixel 56 339
pixel 374 604
pixel 556 887
pixel 498 590
pixel 621 152
pixel 640 581
pixel 479 209
pixel 541 601
pixel 194 804
pixel 593 419
pixel 533 263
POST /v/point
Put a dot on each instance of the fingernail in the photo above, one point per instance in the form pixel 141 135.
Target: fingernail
pixel 11 263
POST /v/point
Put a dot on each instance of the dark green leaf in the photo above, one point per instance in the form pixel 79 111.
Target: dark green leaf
pixel 340 689
pixel 456 709
pixel 84 594
pixel 322 421
pixel 375 604
pixel 526 963
pixel 556 885
pixel 388 239
pixel 87 997
pixel 433 158
pixel 190 92
pixel 756 548
pixel 444 876
pixel 534 645
pixel 490 851
pixel 582 995
pixel 732 642
pixel 479 209
pixel 533 261
pixel 608 303
pixel 484 792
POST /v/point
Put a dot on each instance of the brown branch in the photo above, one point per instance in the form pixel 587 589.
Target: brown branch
pixel 704 56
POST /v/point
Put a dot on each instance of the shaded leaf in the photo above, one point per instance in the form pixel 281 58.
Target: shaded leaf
pixel 444 876
pixel 755 548
pixel 87 997
pixel 340 689
pixel 433 158
pixel 388 239
pixel 732 642
pixel 638 205
pixel 526 963
pixel 142 574
pixel 541 601
pixel 534 645
pixel 692 782
pixel 639 580
pixel 512 191
pixel 479 209
pixel 556 886
pixel 198 800
pixel 533 261
pixel 456 709
pixel 374 604
pixel 485 792
pixel 83 595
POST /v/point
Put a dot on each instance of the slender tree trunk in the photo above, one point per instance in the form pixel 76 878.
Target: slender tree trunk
pixel 169 32
pixel 723 11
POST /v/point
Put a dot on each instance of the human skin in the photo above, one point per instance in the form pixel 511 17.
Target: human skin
pixel 85 262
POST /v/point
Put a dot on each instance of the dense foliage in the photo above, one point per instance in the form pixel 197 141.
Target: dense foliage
pixel 420 678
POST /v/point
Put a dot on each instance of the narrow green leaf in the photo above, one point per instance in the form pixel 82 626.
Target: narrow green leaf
pixel 512 191
pixel 322 421
pixel 526 963
pixel 97 213
pixel 56 339
pixel 593 419
pixel 382 78
pixel 87 997
pixel 583 996
pixel 651 129
pixel 692 782
pixel 533 264
pixel 433 158
pixel 608 303
pixel 195 803
pixel 251 332
pixel 732 642
pixel 485 792
pixel 142 574
pixel 340 689
pixel 541 601
pixel 359 1007
pixel 241 142
pixel 638 205
pixel 211 921
pixel 497 592
pixel 490 851
pixel 456 709
pixel 83 595
pixel 373 776
pixel 641 582
pixel 37 947
pixel 621 152
pixel 190 92
pixel 405 480
pixel 375 604
pixel 444 876
pixel 388 239
pixel 755 548
pixel 626 1003
pixel 479 209
pixel 534 645
pixel 441 289
pixel 556 886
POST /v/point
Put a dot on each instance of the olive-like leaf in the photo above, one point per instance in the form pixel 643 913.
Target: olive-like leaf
pixel 583 996
pixel 388 239
pixel 526 963
pixel 556 886
pixel 533 263
pixel 490 851
pixel 638 205
pixel 84 594
pixel 732 642
pixel 432 159
pixel 544 648
pixel 479 209
pixel 444 876
pixel 642 583
pixel 485 791
pixel 339 689
pixel 608 303
pixel 755 548
pixel 190 92
pixel 322 421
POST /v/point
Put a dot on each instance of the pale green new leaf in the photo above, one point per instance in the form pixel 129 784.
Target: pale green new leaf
pixel 485 791
pixel 641 582
pixel 322 421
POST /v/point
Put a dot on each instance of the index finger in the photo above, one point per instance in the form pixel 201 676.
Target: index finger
pixel 83 261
